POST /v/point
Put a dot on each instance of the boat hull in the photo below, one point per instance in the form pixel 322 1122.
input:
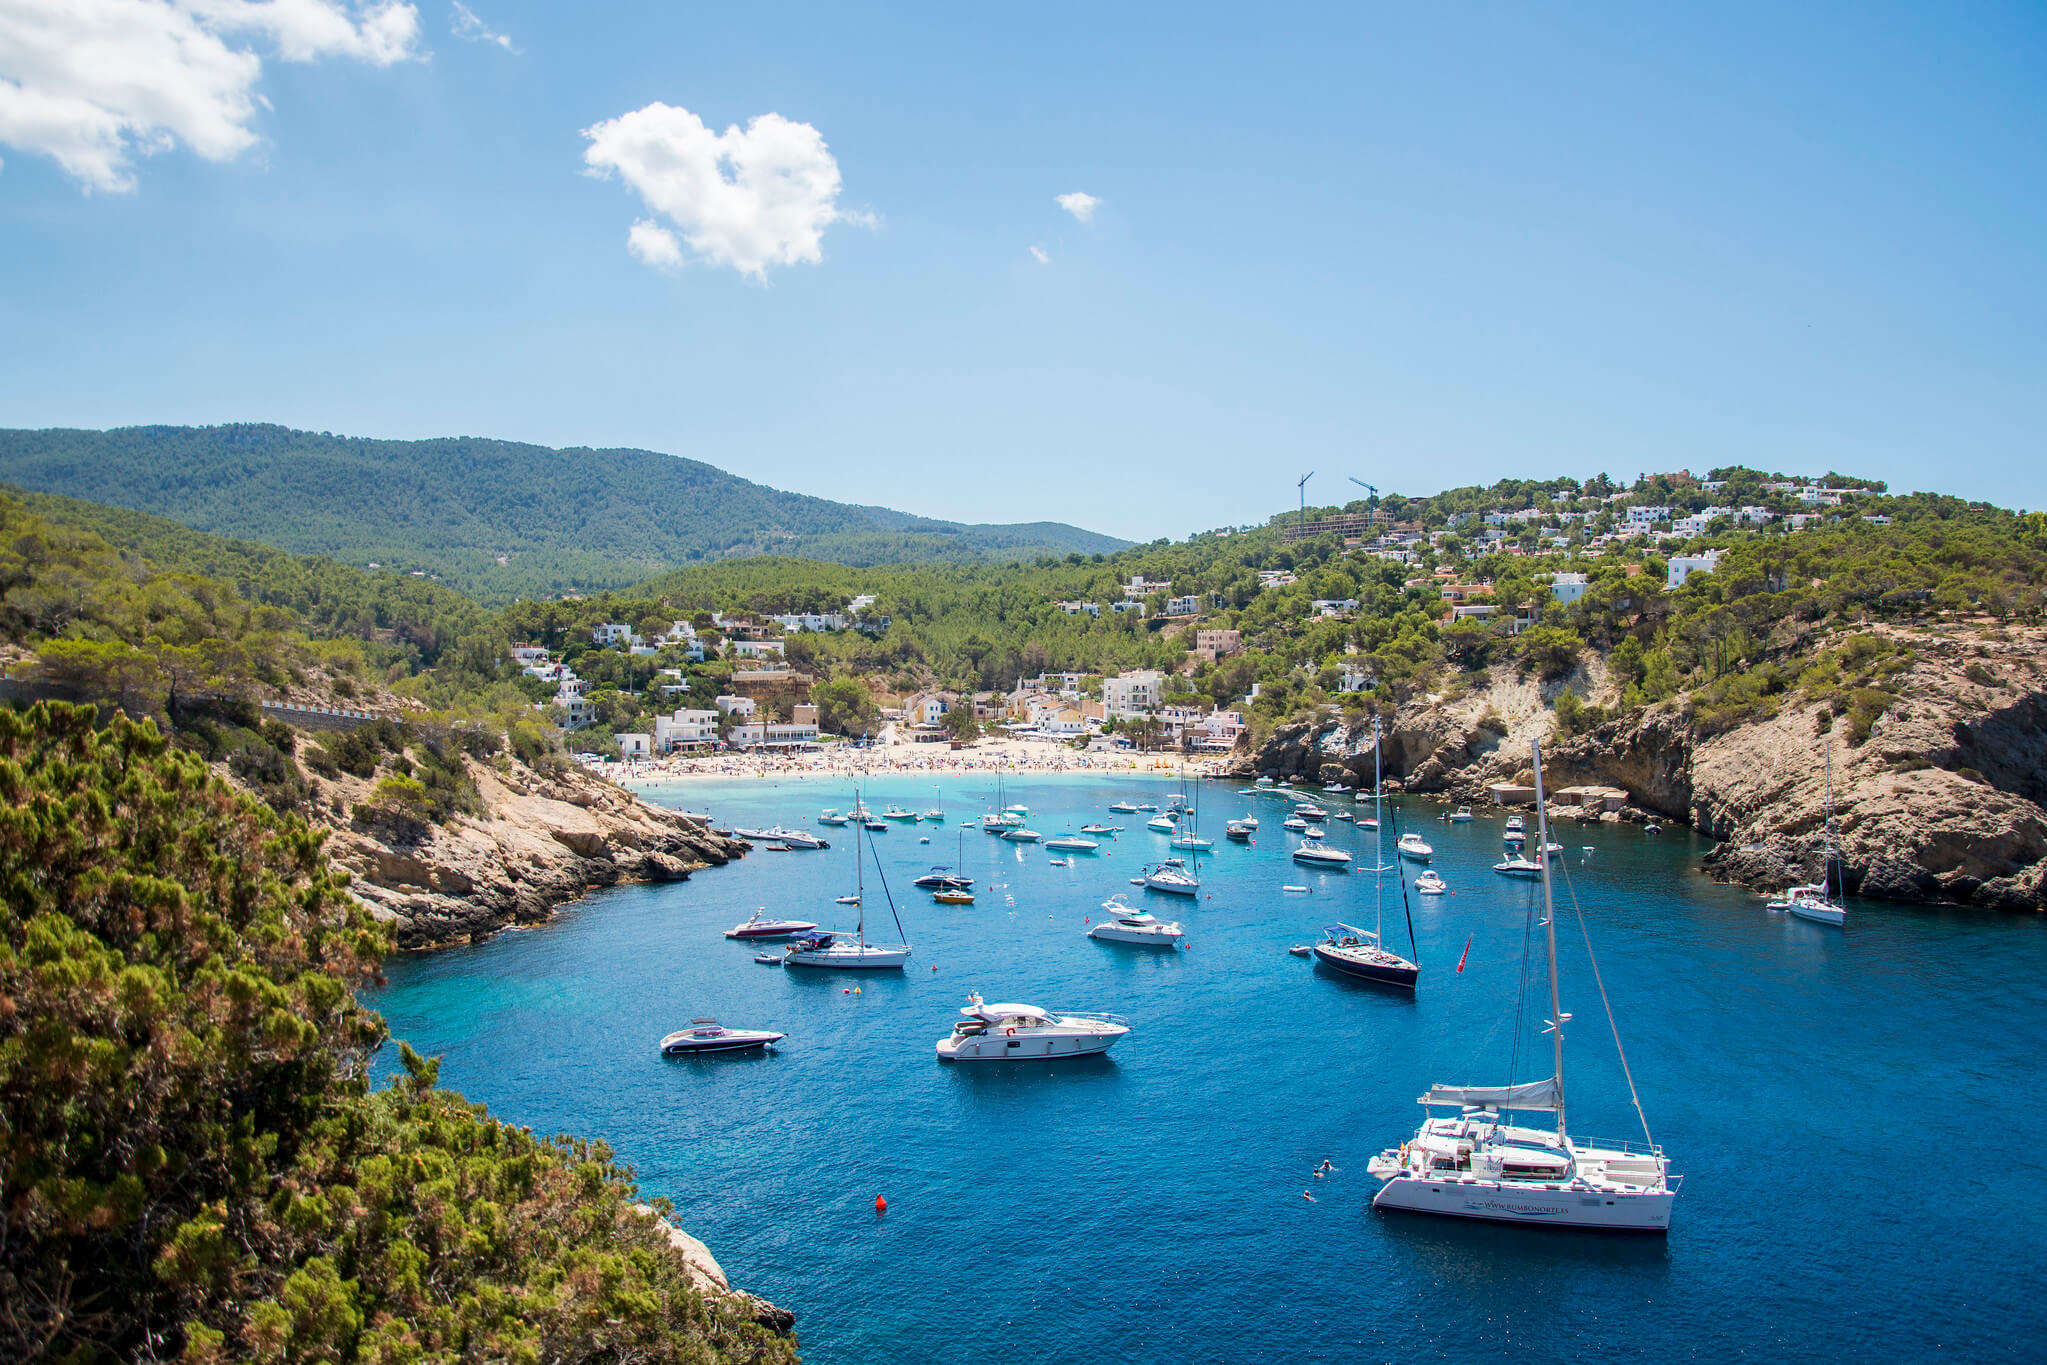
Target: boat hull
pixel 1819 914
pixel 870 961
pixel 699 1047
pixel 1398 975
pixel 994 1047
pixel 1109 933
pixel 1497 1201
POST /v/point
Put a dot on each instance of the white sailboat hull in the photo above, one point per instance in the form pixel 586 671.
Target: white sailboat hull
pixel 1504 1201
pixel 848 958
pixel 1819 912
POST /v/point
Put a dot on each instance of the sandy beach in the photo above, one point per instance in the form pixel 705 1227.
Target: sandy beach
pixel 1006 755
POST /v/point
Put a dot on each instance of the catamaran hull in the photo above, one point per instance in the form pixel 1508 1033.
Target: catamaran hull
pixel 1384 974
pixel 1497 1202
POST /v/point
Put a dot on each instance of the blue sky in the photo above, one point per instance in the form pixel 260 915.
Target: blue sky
pixel 1425 246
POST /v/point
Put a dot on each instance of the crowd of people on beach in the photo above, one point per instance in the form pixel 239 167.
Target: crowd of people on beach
pixel 845 760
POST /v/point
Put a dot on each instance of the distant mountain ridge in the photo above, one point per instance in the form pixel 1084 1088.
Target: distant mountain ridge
pixel 497 519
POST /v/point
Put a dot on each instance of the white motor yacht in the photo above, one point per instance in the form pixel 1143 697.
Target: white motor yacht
pixel 759 925
pixel 1461 816
pixel 895 812
pixel 1018 809
pixel 1022 836
pixel 708 1035
pixel 1308 810
pixel 1475 1162
pixel 1293 822
pixel 1237 830
pixel 1127 924
pixel 996 1033
pixel 1314 853
pixel 1123 808
pixel 830 816
pixel 1072 843
pixel 1413 846
pixel 1173 878
pixel 1429 884
pixel 1518 866
pixel 1249 822
pixel 1163 824
pixel 1314 832
pixel 1111 830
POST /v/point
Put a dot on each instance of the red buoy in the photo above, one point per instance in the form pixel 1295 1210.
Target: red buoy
pixel 880 1204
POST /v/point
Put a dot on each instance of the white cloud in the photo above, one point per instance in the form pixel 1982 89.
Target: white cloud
pixel 473 29
pixel 749 198
pixel 654 245
pixel 1081 206
pixel 92 84
pixel 1039 255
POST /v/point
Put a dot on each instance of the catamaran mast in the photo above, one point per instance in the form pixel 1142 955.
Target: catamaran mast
pixel 1549 921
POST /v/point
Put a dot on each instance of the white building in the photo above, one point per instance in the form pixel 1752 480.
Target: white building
pixel 634 746
pixel 685 729
pixel 612 633
pixel 1693 525
pixel 1190 605
pixel 1567 587
pixel 756 649
pixel 810 620
pixel 1684 566
pixel 741 707
pixel 1076 608
pixel 1819 497
pixel 1133 694
pixel 527 656
pixel 1647 516
pixel 1219 730
pixel 1754 516
pixel 1333 606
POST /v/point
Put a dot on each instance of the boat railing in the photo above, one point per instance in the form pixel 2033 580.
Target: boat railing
pixel 1095 1017
pixel 1617 1145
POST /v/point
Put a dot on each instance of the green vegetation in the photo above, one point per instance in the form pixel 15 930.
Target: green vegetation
pixel 495 518
pixel 193 1164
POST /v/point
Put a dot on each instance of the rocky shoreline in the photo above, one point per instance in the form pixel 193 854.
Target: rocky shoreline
pixel 542 840
pixel 1945 802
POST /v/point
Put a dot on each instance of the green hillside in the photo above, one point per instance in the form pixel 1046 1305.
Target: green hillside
pixel 498 519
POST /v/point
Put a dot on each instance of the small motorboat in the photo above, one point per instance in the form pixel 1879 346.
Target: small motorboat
pixel 1026 1033
pixel 1295 890
pixel 1057 862
pixel 1249 822
pixel 953 895
pixel 831 816
pixel 1300 950
pixel 1072 844
pixel 1339 815
pixel 1429 884
pixel 1293 822
pixel 1162 824
pixel 1314 853
pixel 708 1035
pixel 1127 924
pixel 794 838
pixel 1516 831
pixel 843 900
pixel 1237 830
pixel 1412 846
pixel 1017 809
pixel 1307 810
pixel 1022 836
pixel 1518 866
pixel 1461 816
pixel 1122 808
pixel 942 878
pixel 1314 832
pixel 898 813
pixel 1147 805
pixel 768 959
pixel 1173 878
pixel 759 925
pixel 1368 822
pixel 1111 830
pixel 1652 828
pixel 778 848
pixel 875 826
pixel 925 840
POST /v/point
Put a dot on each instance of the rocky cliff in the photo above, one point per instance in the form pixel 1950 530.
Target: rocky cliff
pixel 1944 801
pixel 541 840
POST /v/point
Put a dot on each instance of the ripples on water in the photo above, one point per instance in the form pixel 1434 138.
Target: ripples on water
pixel 1848 1108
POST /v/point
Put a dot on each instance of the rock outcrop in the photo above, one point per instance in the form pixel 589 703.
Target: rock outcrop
pixel 542 840
pixel 1945 801
pixel 709 1277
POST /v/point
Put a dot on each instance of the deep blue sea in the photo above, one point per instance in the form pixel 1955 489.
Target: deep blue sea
pixel 1850 1109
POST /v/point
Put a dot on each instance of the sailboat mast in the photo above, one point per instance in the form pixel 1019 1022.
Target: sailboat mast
pixel 1827 870
pixel 1378 845
pixel 859 874
pixel 1549 922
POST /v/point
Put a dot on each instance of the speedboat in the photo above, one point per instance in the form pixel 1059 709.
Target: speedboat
pixel 1018 809
pixel 1553 848
pixel 994 1033
pixel 1172 877
pixel 1518 866
pixel 1122 808
pixel 1293 822
pixel 1461 816
pixel 1127 924
pixel 1516 831
pixel 831 816
pixel 1314 832
pixel 1368 822
pixel 898 813
pixel 844 951
pixel 1429 884
pixel 1022 836
pixel 1163 824
pixel 941 878
pixel 1264 782
pixel 1237 830
pixel 846 900
pixel 708 1035
pixel 1337 788
pixel 758 926
pixel 1307 810
pixel 875 826
pixel 1358 952
pixel 1192 842
pixel 1314 853
pixel 1249 822
pixel 1339 815
pixel 1147 805
pixel 1071 843
pixel 1411 845
pixel 1111 830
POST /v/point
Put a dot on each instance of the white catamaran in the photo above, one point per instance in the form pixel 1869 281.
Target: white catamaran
pixel 1476 1163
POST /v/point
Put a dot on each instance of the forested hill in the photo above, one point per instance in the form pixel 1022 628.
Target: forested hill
pixel 498 519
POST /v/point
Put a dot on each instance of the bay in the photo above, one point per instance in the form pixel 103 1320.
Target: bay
pixel 1842 1104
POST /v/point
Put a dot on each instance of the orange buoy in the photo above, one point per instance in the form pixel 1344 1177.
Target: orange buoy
pixel 880 1204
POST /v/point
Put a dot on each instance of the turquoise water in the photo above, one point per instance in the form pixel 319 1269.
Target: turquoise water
pixel 1848 1108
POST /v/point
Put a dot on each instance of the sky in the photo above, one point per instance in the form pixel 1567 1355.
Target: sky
pixel 1133 267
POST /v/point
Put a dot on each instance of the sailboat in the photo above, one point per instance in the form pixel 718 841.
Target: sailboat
pixel 1003 817
pixel 1474 1163
pixel 1360 952
pixel 1189 839
pixel 1817 902
pixel 825 948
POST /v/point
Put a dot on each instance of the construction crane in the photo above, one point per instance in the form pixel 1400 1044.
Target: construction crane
pixel 1303 487
pixel 1369 489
